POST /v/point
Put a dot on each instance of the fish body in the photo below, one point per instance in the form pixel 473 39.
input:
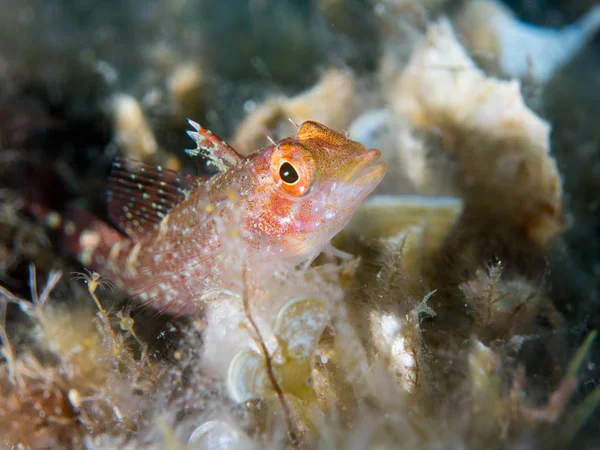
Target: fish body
pixel 281 204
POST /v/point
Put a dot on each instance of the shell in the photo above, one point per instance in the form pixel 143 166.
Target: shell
pixel 247 377
pixel 219 435
pixel 299 325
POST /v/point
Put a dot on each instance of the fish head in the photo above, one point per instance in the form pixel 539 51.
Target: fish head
pixel 306 189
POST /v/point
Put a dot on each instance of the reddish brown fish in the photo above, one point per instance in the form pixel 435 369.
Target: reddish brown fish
pixel 282 203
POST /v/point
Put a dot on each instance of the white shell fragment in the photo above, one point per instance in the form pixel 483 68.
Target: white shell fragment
pixel 520 49
pixel 219 435
pixel 247 376
pixel 299 325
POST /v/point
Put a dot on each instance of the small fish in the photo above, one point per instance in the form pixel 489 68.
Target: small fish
pixel 282 203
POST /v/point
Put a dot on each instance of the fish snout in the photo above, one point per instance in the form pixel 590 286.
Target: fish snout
pixel 368 170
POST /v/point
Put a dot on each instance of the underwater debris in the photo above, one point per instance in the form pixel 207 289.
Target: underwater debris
pixel 333 101
pixel 501 147
pixel 510 47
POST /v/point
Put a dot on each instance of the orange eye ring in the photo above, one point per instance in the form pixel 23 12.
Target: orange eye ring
pixel 293 169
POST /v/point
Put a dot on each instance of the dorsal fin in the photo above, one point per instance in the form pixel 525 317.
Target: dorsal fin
pixel 211 150
pixel 140 195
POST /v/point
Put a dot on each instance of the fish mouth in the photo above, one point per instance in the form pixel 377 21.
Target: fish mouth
pixel 368 170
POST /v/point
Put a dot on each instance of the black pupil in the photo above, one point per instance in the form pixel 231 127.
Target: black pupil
pixel 287 173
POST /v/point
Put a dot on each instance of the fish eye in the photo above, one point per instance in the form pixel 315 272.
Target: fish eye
pixel 288 173
pixel 293 169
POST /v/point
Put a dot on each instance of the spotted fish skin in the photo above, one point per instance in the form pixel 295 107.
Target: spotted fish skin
pixel 185 235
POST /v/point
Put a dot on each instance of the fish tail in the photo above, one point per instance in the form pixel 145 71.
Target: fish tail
pixel 88 238
pixel 82 234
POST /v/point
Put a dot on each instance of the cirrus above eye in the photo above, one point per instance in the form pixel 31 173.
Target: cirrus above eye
pixel 288 173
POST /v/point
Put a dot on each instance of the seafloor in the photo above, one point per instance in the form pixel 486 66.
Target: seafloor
pixel 463 313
